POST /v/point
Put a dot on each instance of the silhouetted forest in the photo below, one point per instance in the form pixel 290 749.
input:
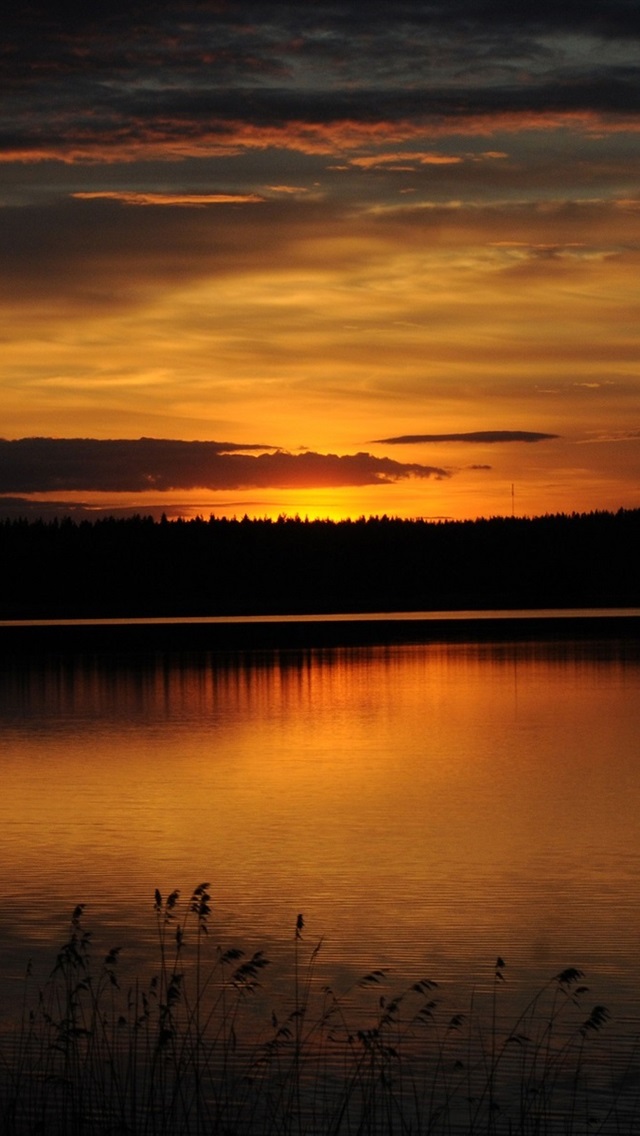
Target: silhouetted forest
pixel 140 567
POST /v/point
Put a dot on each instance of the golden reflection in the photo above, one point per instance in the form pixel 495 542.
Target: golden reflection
pixel 434 802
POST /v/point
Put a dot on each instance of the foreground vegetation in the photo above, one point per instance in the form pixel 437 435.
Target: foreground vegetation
pixel 206 1046
pixel 139 567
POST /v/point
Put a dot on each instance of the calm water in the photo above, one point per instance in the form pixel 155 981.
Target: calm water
pixel 426 807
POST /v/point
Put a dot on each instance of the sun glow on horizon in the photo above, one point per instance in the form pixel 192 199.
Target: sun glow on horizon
pixel 318 259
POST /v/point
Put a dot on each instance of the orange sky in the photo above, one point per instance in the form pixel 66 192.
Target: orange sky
pixel 310 235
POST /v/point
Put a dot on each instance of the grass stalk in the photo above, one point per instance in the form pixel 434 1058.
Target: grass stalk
pixel 188 1054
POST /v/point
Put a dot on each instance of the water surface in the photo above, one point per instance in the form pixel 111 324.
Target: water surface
pixel 427 806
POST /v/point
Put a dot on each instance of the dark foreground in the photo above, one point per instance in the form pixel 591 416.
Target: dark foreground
pixel 140 568
pixel 122 637
pixel 206 1044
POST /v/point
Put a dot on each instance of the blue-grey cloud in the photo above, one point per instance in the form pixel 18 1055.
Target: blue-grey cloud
pixel 58 465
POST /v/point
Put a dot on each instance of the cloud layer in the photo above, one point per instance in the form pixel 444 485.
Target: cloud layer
pixel 193 78
pixel 483 436
pixel 46 465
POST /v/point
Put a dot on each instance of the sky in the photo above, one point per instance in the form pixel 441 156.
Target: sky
pixel 321 259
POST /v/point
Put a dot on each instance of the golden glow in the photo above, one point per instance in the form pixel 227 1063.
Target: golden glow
pixel 359 338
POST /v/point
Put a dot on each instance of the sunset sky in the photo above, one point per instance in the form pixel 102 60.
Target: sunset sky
pixel 320 258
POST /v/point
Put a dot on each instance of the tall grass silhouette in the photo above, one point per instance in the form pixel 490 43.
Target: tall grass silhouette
pixel 207 1046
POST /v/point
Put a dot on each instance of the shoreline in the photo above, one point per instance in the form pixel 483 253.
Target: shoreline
pixel 311 631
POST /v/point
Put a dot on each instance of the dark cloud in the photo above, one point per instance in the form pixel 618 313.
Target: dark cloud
pixel 89 127
pixel 287 28
pixel 483 436
pixel 32 509
pixel 14 508
pixel 188 75
pixel 58 465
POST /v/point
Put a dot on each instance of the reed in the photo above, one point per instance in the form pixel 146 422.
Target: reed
pixel 204 1046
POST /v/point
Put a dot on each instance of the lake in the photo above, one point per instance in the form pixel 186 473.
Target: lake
pixel 428 806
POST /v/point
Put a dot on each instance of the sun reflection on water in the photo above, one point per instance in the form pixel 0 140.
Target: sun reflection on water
pixel 425 806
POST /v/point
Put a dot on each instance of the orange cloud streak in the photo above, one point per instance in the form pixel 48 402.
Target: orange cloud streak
pixel 370 161
pixel 126 197
pixel 181 139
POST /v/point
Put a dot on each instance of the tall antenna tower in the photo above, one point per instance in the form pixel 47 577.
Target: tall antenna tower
pixel 513 500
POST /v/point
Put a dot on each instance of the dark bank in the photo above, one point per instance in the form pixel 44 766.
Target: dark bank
pixel 136 567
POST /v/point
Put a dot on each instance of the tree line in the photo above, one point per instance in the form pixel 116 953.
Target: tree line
pixel 136 566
